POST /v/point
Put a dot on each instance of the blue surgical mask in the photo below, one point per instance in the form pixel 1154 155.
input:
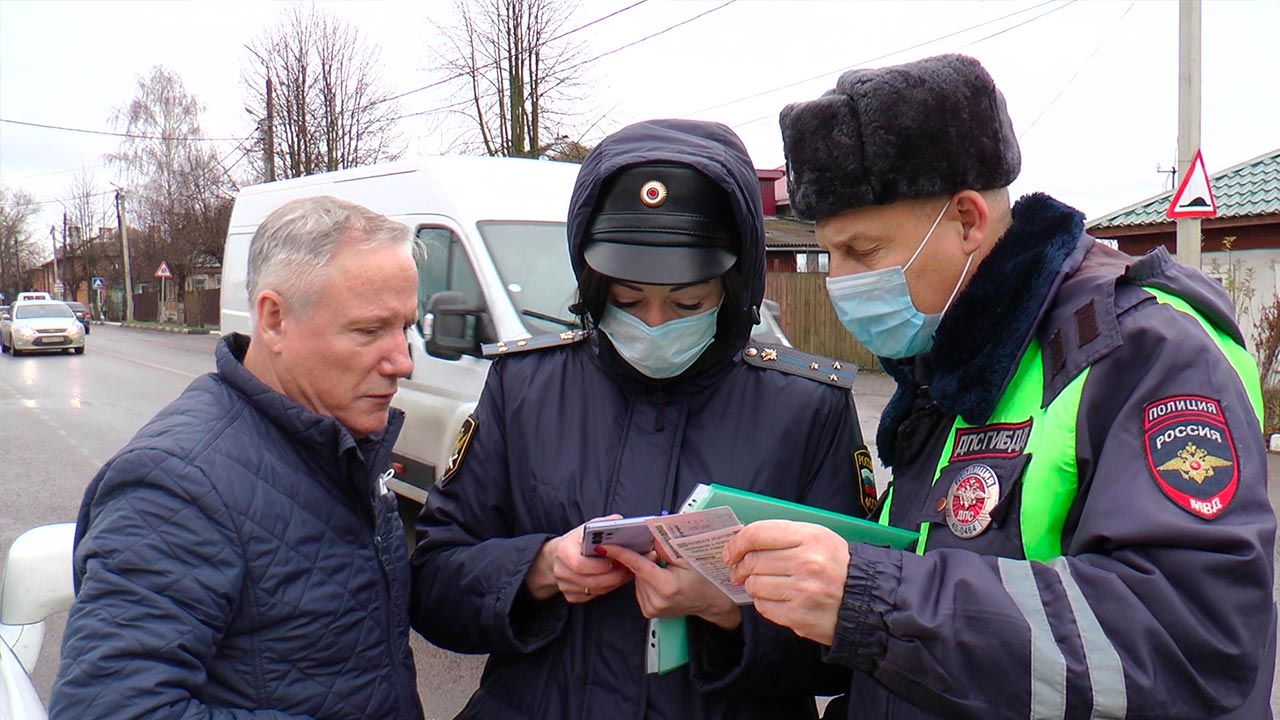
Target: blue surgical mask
pixel 659 352
pixel 876 307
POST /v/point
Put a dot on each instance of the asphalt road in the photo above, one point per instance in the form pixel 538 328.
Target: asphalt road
pixel 63 416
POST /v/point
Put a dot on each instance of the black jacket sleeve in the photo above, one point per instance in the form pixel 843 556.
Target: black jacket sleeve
pixel 468 569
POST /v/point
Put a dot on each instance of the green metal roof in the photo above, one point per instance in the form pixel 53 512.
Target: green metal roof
pixel 1249 189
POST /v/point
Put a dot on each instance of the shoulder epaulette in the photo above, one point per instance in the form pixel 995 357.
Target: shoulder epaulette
pixel 798 362
pixel 541 342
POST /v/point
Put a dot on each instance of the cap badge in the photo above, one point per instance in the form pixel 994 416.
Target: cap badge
pixel 653 193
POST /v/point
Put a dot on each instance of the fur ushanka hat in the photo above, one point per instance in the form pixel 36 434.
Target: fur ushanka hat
pixel 923 129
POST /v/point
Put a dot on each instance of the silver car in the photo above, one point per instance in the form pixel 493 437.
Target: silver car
pixel 40 325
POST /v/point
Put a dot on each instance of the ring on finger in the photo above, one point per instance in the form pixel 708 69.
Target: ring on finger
pixel 586 590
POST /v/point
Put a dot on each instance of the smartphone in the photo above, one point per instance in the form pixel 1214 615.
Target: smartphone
pixel 630 533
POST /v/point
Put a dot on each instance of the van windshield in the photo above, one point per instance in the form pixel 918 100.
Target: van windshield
pixel 533 261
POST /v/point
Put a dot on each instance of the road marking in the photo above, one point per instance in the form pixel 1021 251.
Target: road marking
pixel 150 365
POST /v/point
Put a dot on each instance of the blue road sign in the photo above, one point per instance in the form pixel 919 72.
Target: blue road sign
pixel 99 283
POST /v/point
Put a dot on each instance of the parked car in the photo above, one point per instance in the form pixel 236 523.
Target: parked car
pixel 37 584
pixel 82 313
pixel 41 325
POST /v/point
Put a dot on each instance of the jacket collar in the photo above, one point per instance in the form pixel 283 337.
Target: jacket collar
pixel 320 432
pixel 982 337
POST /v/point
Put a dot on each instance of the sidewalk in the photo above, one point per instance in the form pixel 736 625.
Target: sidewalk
pixel 159 328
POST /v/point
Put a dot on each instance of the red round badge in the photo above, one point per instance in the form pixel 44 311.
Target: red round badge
pixel 653 193
pixel 970 500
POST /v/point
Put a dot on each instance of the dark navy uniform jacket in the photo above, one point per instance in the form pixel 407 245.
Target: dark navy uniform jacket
pixel 567 434
pixel 1153 610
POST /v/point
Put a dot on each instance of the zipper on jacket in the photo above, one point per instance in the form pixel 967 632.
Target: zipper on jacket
pixel 392 648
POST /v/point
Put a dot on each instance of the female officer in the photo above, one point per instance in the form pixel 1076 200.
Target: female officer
pixel 666 237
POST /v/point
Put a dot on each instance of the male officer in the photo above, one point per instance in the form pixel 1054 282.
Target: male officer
pixel 1075 434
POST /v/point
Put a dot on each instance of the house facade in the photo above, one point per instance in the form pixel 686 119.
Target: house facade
pixel 1240 247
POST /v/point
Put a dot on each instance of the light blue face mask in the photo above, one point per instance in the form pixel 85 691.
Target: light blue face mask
pixel 659 352
pixel 876 307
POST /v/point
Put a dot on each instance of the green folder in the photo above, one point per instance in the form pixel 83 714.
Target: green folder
pixel 668 639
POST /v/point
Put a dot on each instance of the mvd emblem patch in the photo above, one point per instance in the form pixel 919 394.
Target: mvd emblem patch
pixel 1191 453
pixel 866 479
pixel 460 446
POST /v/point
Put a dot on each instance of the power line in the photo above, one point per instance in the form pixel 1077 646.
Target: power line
pixel 1080 69
pixel 72 199
pixel 575 65
pixel 593 22
pixel 871 60
pixel 1015 27
pixel 12 178
pixel 651 35
pixel 115 134
pixel 459 75
pixel 897 52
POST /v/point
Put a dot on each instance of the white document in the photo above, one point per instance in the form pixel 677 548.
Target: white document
pixel 697 539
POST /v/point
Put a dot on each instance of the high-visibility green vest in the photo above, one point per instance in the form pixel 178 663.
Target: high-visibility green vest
pixel 1050 480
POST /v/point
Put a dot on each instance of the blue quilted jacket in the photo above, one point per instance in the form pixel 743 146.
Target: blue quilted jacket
pixel 239 558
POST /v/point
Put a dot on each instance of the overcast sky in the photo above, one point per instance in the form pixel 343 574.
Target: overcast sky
pixel 1091 85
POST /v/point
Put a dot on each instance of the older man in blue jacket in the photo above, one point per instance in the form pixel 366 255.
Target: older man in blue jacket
pixel 241 556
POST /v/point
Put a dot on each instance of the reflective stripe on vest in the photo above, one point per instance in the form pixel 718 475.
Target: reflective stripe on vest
pixel 1050 479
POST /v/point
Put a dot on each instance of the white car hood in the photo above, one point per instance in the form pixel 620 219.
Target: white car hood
pixel 46 324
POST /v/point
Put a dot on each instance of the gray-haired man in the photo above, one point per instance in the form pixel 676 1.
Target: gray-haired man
pixel 239 557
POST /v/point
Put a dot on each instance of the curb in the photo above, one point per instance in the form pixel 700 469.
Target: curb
pixel 165 328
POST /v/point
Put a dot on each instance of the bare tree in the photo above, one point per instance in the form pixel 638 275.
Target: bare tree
pixel 179 188
pixel 86 215
pixel 329 109
pixel 18 249
pixel 515 74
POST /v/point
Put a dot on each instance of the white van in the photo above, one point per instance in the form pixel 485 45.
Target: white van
pixel 29 296
pixel 497 268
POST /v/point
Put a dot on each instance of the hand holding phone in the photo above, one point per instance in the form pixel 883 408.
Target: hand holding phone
pixel 631 533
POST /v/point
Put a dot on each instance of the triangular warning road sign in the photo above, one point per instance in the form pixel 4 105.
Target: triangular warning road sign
pixel 163 270
pixel 1194 198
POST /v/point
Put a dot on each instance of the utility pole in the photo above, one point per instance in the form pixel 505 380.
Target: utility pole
pixel 123 224
pixel 71 272
pixel 53 240
pixel 1188 118
pixel 269 131
pixel 269 155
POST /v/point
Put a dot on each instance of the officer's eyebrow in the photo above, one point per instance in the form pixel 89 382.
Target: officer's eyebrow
pixel 678 288
pixel 670 289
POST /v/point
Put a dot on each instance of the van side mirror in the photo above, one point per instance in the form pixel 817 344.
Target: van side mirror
pixel 450 326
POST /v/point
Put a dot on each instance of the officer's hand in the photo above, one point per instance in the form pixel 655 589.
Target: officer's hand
pixel 561 567
pixel 795 572
pixel 675 591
